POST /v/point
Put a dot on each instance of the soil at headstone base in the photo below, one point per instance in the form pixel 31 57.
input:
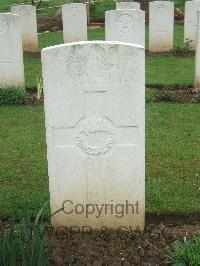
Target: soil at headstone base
pixel 181 53
pixel 128 247
pixel 179 95
pixel 53 24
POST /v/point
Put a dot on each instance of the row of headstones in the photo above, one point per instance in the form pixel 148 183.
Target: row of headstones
pixel 121 25
pixel 127 24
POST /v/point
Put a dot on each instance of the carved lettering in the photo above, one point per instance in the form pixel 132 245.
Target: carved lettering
pixel 3 26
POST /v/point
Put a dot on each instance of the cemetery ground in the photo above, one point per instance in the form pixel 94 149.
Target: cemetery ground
pixel 172 159
pixel 172 165
pixel 172 186
pixel 176 73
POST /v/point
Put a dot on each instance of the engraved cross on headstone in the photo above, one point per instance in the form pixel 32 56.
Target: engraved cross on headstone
pixel 95 136
pixel 95 112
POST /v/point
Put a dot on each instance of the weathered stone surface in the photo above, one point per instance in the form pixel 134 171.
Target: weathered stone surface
pixel 128 5
pixel 94 95
pixel 28 18
pixel 197 56
pixel 125 26
pixel 74 18
pixel 11 54
pixel 190 23
pixel 161 26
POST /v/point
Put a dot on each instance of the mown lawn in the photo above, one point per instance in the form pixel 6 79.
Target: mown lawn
pixel 160 71
pixel 172 139
pixel 52 38
pixel 170 71
pixel 172 159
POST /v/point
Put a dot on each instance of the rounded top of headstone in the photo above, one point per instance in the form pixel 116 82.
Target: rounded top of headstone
pixel 127 10
pixel 113 44
pixel 74 4
pixel 9 15
pixel 23 6
pixel 23 10
pixel 165 2
pixel 192 2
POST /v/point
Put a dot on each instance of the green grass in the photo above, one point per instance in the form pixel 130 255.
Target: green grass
pixel 46 12
pixel 50 38
pixel 180 4
pixel 178 36
pixel 23 242
pixel 23 170
pixel 160 71
pixel 172 159
pixel 98 11
pixel 169 71
pixel 53 38
pixel 33 70
pixel 96 34
pixel 186 253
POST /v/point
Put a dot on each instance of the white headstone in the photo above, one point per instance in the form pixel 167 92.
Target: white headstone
pixel 161 26
pixel 27 14
pixel 190 23
pixel 197 56
pixel 11 54
pixel 74 18
pixel 125 26
pixel 128 5
pixel 94 95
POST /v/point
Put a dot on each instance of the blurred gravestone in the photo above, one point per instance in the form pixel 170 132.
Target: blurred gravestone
pixel 74 18
pixel 11 54
pixel 161 26
pixel 190 23
pixel 128 5
pixel 125 26
pixel 28 18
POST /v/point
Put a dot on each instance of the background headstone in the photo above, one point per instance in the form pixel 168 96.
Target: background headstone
pixel 74 18
pixel 128 5
pixel 125 26
pixel 190 23
pixel 11 54
pixel 197 56
pixel 161 26
pixel 88 11
pixel 94 95
pixel 28 18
